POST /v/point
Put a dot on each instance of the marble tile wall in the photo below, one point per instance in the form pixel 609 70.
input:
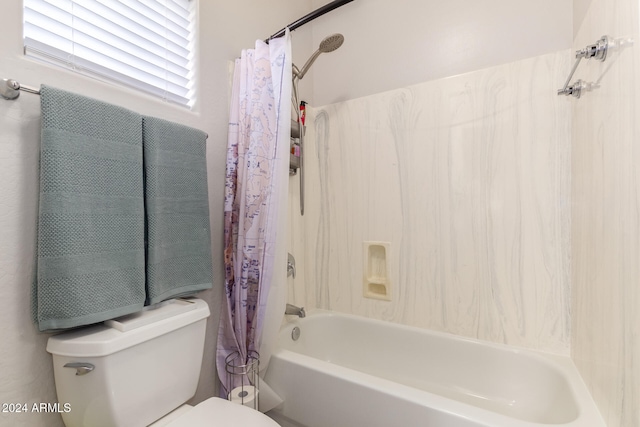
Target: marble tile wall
pixel 605 341
pixel 468 179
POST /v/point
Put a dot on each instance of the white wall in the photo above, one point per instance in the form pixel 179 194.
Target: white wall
pixel 580 8
pixel 393 44
pixel 605 342
pixel 225 28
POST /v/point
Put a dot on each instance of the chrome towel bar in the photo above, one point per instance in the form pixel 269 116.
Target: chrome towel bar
pixel 10 89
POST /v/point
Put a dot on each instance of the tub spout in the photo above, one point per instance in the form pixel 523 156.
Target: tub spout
pixel 296 311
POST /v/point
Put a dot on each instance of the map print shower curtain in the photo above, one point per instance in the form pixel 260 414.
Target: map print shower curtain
pixel 255 203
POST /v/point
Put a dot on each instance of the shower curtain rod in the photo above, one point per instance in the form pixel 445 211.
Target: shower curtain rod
pixel 310 17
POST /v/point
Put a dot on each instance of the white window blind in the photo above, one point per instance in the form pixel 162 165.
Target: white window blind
pixel 145 44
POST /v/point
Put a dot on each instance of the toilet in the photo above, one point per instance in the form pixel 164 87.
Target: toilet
pixel 139 370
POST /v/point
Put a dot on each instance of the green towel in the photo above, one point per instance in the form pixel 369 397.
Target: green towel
pixel 91 264
pixel 177 209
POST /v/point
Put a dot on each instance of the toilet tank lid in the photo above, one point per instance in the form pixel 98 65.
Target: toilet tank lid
pixel 118 334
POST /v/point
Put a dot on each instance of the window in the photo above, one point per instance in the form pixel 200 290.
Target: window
pixel 145 44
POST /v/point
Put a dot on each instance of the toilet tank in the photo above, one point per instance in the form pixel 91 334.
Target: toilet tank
pixel 144 365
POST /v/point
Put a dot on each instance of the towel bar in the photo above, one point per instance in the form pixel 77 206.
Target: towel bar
pixel 10 89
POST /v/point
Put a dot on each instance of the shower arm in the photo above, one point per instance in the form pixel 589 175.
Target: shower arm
pixel 297 73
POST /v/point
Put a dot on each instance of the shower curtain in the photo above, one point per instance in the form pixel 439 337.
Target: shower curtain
pixel 256 191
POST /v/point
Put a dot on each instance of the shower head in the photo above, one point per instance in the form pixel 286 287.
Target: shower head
pixel 328 44
pixel 331 43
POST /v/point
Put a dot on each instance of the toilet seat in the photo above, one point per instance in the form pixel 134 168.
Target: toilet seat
pixel 218 412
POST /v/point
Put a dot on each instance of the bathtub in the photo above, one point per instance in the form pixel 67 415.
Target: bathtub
pixel 349 371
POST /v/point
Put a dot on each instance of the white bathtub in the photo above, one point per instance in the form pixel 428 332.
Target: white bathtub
pixel 348 371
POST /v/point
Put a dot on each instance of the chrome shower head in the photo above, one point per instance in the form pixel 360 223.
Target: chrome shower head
pixel 328 44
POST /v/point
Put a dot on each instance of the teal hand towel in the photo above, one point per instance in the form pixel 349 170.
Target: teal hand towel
pixel 177 209
pixel 90 259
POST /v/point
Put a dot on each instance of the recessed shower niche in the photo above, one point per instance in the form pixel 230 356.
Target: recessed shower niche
pixel 377 284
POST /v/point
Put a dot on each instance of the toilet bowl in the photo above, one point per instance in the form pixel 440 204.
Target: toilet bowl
pixel 139 370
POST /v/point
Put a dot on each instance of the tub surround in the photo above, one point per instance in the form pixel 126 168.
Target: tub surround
pixel 467 178
pixel 605 188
